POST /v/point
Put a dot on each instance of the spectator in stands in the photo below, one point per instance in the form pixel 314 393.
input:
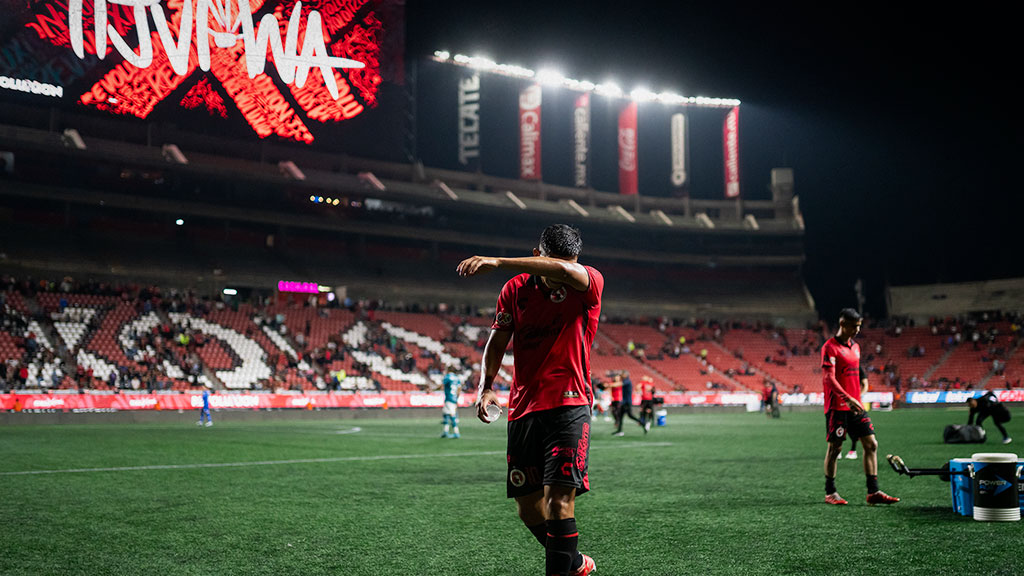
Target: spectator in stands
pixel 988 405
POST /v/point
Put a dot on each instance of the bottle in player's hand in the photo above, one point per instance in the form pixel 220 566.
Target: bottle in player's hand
pixel 493 412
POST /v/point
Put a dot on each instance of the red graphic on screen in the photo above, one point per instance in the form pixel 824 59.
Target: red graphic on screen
pixel 348 30
pixel 202 95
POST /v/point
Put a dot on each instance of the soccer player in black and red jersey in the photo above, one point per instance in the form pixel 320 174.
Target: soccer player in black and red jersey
pixel 551 307
pixel 844 414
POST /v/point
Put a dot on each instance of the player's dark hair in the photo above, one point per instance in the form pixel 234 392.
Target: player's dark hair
pixel 849 315
pixel 561 241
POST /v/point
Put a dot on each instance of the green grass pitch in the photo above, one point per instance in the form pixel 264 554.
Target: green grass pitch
pixel 707 494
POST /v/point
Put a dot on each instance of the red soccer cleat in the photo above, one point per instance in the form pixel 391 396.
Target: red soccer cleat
pixel 881 498
pixel 836 499
pixel 588 567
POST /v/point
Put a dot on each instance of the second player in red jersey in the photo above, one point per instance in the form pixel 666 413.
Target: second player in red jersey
pixel 844 413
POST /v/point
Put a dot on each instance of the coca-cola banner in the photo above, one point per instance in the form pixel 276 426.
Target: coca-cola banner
pixel 731 150
pixel 679 143
pixel 628 174
pixel 529 132
pixel 581 141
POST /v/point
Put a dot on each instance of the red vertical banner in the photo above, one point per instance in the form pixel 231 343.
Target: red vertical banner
pixel 628 182
pixel 581 141
pixel 529 132
pixel 731 151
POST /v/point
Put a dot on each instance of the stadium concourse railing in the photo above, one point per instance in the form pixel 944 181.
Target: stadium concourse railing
pixel 331 173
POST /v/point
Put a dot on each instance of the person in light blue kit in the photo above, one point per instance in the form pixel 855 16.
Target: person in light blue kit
pixel 204 412
pixel 452 386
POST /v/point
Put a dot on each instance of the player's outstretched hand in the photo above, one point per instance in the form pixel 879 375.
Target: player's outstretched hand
pixel 487 398
pixel 476 265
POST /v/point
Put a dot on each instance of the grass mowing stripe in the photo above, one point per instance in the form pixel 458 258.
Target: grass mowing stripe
pixel 298 461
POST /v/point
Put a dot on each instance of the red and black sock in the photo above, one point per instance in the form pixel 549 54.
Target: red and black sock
pixel 872 483
pixel 562 538
pixel 540 532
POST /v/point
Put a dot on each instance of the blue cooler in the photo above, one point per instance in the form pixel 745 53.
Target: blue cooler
pixel 962 487
pixel 662 416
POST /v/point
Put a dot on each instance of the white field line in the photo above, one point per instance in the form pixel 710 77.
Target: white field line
pixel 302 461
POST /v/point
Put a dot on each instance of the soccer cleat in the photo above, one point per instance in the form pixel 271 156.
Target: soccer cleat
pixel 588 566
pixel 647 427
pixel 200 423
pixel 836 499
pixel 881 498
pixel 455 435
pixel 851 455
pixel 1007 440
pixel 209 423
pixel 445 435
pixel 618 434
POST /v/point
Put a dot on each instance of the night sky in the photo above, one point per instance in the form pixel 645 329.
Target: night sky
pixel 901 125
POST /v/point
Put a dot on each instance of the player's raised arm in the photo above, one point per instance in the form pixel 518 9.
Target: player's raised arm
pixel 494 351
pixel 560 270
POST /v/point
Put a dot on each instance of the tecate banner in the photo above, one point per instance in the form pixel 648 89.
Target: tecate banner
pixel 581 141
pixel 469 121
pixel 628 174
pixel 529 132
pixel 731 150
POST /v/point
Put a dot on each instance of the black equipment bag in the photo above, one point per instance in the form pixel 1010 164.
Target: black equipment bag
pixel 963 434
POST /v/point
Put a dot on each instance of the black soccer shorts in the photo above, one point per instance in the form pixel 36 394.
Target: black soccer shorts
pixel 550 447
pixel 842 423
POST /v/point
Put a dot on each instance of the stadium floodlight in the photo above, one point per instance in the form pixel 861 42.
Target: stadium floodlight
pixel 670 98
pixel 289 169
pixel 642 95
pixel 230 292
pixel 608 89
pixel 550 77
pixel 179 222
pixel 482 63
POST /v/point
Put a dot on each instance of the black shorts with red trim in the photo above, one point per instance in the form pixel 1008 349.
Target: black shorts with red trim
pixel 550 447
pixel 842 423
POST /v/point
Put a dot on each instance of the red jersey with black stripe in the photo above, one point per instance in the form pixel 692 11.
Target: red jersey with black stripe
pixel 846 360
pixel 553 331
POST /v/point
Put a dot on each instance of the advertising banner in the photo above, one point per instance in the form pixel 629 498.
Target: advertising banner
pixel 581 141
pixel 469 120
pixel 628 173
pixel 731 150
pixel 678 147
pixel 529 132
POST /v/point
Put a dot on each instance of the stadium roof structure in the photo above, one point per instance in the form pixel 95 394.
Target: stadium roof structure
pixel 551 77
